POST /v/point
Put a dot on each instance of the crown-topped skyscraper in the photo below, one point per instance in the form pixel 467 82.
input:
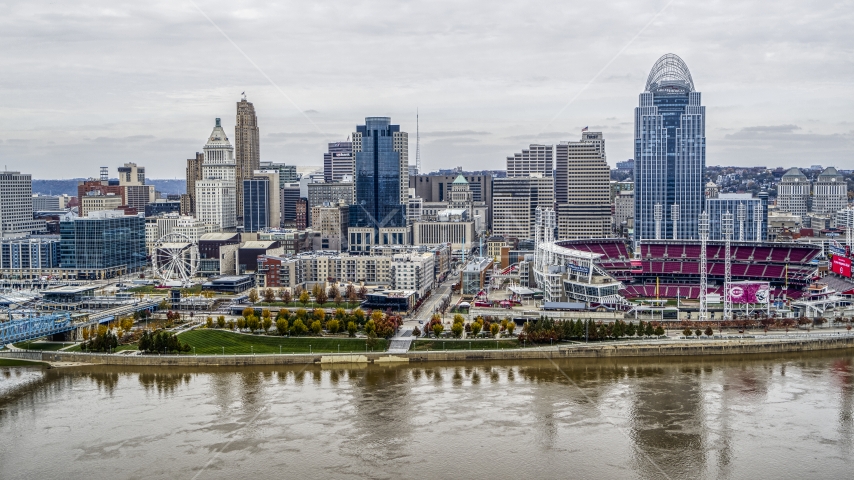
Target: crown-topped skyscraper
pixel 216 193
pixel 670 153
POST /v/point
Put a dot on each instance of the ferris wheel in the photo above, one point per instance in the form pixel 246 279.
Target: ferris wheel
pixel 175 259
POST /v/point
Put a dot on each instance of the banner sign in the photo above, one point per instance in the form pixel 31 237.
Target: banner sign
pixel 749 292
pixel 841 266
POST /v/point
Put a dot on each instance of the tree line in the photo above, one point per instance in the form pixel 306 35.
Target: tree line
pixel 547 330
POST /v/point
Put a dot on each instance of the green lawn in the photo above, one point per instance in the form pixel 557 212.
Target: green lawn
pixel 13 362
pixel 46 346
pixel 423 345
pixel 131 346
pixel 211 342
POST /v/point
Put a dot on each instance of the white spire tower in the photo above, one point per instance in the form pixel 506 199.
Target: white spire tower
pixel 703 230
pixel 726 229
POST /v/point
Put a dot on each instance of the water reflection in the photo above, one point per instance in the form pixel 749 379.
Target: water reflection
pixel 683 418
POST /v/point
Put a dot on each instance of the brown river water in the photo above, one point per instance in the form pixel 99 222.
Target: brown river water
pixel 789 416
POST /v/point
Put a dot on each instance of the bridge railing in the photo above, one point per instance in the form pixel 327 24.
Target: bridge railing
pixel 28 328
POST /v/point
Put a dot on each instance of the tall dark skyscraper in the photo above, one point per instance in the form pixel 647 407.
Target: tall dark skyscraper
pixel 247 153
pixel 382 174
pixel 670 153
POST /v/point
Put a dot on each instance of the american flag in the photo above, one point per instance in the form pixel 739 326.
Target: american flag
pixel 584 129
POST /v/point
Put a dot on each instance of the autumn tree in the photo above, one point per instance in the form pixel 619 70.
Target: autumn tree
pixel 687 332
pixel 319 314
pixel 253 296
pixel 282 326
pixel 438 328
pixel 269 295
pixel 252 323
pixel 494 329
pixel 709 331
pixel 363 292
pixel 285 296
pixel 209 322
pixel 511 325
pixel 457 330
pixel 316 327
pixel 350 293
pixel 220 321
pixel 698 332
pixel 241 323
pixel 416 332
pixel 333 326
pixel 333 291
pixel 298 327
pixel 352 328
pixel 370 327
pixel 359 315
pixel 266 321
pixel 304 298
pixel 320 296
pixel 475 328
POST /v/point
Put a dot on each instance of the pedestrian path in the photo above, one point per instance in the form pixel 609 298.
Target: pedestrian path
pixel 402 341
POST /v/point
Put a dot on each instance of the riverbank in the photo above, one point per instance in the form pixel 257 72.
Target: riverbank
pixel 654 348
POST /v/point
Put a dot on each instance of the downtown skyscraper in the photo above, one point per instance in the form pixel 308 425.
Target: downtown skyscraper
pixel 670 153
pixel 582 194
pixel 382 181
pixel 247 153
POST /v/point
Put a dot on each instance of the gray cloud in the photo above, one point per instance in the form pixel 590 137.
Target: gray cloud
pixel 455 133
pixel 104 82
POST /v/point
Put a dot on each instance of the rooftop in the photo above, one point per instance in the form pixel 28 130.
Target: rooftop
pixel 669 74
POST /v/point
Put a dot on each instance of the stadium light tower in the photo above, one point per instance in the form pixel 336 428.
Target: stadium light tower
pixel 742 216
pixel 704 238
pixel 757 222
pixel 849 227
pixel 726 229
pixel 674 215
pixel 657 215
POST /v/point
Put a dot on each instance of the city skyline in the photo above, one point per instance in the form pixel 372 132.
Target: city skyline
pixel 477 104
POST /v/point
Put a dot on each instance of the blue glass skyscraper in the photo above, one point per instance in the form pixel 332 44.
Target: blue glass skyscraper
pixel 256 204
pixel 381 164
pixel 670 153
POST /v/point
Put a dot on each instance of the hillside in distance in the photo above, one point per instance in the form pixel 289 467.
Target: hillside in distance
pixel 69 186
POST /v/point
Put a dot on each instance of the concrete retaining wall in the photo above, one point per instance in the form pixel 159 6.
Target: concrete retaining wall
pixel 699 348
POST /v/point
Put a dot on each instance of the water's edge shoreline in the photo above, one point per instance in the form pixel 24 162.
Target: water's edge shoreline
pixel 664 349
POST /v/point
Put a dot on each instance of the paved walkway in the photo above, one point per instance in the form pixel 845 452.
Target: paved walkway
pixel 402 341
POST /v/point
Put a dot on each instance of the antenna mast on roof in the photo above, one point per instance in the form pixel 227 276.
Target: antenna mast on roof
pixel 417 145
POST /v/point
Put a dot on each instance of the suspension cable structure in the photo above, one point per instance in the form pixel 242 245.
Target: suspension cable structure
pixel 704 238
pixel 726 230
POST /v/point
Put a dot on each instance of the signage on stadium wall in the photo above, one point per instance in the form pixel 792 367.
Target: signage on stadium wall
pixel 578 266
pixel 835 248
pixel 749 292
pixel 841 266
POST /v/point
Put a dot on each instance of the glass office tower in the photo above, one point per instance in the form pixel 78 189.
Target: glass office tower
pixel 103 244
pixel 380 150
pixel 256 204
pixel 670 153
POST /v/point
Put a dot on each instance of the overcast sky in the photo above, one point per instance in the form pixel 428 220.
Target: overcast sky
pixel 92 83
